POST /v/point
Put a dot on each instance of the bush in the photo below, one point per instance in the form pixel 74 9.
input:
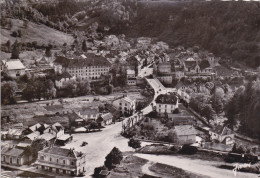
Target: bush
pixel 97 171
pixel 14 34
pixel 187 149
pixel 113 158
pixel 134 143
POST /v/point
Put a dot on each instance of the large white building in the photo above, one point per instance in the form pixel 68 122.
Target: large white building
pixel 166 103
pixel 61 161
pixel 13 67
pixel 88 66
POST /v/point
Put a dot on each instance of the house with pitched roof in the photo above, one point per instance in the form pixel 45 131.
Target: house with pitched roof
pixel 130 75
pixel 107 119
pixel 46 132
pixel 115 112
pixel 222 134
pixel 190 66
pixel 125 105
pixel 185 134
pixel 166 103
pixel 88 113
pixel 13 67
pixel 62 161
pixel 14 156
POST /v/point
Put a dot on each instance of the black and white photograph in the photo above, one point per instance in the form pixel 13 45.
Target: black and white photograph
pixel 130 88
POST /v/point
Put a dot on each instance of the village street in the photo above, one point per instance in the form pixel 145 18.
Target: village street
pixel 101 143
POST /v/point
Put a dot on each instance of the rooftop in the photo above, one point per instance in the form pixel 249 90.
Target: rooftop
pixel 190 64
pixel 130 72
pixel 221 130
pixel 63 75
pixel 88 111
pixel 15 64
pixel 169 98
pixel 107 116
pixel 13 152
pixel 185 130
pixel 90 60
pixel 62 152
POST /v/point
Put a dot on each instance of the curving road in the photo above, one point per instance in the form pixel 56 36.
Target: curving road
pixel 201 167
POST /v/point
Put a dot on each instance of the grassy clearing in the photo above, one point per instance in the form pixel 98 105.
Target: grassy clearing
pixel 35 32
pixel 130 166
pixel 169 171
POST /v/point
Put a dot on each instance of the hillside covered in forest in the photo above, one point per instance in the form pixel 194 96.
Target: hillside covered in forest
pixel 230 30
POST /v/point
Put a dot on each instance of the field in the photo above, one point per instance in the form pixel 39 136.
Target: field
pixel 35 32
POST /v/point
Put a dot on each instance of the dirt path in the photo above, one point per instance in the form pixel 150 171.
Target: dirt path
pixel 202 167
pixel 146 170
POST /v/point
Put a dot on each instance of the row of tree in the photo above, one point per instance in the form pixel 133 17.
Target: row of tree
pixel 244 107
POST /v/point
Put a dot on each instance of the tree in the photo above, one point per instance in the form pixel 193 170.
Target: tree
pixel 113 158
pixel 48 50
pixel 93 125
pixel 70 88
pixel 8 45
pixel 99 120
pixel 97 170
pixel 19 33
pixel 25 23
pixel 82 87
pixel 134 143
pixel 24 78
pixel 36 146
pixel 8 92
pixel 28 92
pixel 14 34
pixel 15 50
pixel 207 112
pixel 39 88
pixel 84 46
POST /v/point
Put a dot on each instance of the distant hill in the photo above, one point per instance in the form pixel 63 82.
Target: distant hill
pixel 35 32
pixel 228 29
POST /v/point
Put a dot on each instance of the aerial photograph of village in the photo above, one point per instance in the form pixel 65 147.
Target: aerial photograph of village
pixel 130 88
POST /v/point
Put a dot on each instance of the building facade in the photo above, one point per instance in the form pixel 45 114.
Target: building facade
pixel 166 103
pixel 61 161
pixel 185 134
pixel 125 105
pixel 14 156
pixel 90 66
pixel 89 114
pixel 222 134
pixel 14 68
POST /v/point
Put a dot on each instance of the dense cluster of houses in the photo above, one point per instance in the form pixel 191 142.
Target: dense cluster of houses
pixel 185 126
pixel 54 158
